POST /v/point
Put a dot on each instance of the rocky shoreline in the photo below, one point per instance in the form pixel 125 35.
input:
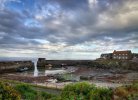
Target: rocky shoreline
pixel 12 66
pixel 93 75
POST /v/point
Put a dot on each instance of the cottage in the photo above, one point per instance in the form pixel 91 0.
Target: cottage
pixel 106 56
pixel 124 55
pixel 135 55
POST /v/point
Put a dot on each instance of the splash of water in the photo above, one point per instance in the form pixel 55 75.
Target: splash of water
pixel 35 69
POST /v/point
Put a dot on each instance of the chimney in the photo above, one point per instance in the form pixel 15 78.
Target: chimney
pixel 114 51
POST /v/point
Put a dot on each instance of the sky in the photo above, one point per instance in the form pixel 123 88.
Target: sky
pixel 67 29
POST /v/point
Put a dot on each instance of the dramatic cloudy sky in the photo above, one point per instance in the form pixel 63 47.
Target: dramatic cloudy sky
pixel 67 29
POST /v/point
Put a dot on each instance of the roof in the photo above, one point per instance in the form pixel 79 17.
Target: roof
pixel 106 54
pixel 122 52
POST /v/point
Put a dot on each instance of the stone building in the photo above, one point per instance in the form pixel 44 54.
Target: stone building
pixel 124 55
pixel 135 55
pixel 41 63
pixel 106 56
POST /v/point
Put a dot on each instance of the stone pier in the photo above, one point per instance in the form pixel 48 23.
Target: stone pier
pixel 11 66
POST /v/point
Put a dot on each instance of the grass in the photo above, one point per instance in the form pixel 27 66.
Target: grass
pixel 33 85
pixel 115 63
pixel 79 90
pixel 128 92
pixel 30 91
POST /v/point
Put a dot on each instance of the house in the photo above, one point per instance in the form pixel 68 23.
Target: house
pixel 106 56
pixel 124 55
pixel 135 55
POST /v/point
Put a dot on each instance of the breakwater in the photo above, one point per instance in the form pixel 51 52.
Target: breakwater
pixel 68 62
pixel 11 66
pixel 104 64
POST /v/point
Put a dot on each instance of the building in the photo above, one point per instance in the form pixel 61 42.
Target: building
pixel 41 63
pixel 135 55
pixel 106 56
pixel 41 59
pixel 122 55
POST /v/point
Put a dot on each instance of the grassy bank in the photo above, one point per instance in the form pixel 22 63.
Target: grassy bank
pixel 74 91
pixel 115 64
pixel 13 82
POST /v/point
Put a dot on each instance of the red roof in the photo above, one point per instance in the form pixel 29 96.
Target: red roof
pixel 122 52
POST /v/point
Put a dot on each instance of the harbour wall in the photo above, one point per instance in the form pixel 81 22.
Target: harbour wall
pixel 11 66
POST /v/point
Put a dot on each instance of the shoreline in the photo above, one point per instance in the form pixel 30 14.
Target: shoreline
pixel 104 80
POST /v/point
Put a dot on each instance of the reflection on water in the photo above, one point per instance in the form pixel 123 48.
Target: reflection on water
pixel 35 69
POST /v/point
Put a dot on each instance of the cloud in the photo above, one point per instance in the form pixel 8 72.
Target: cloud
pixel 4 2
pixel 75 26
pixel 94 21
pixel 64 4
